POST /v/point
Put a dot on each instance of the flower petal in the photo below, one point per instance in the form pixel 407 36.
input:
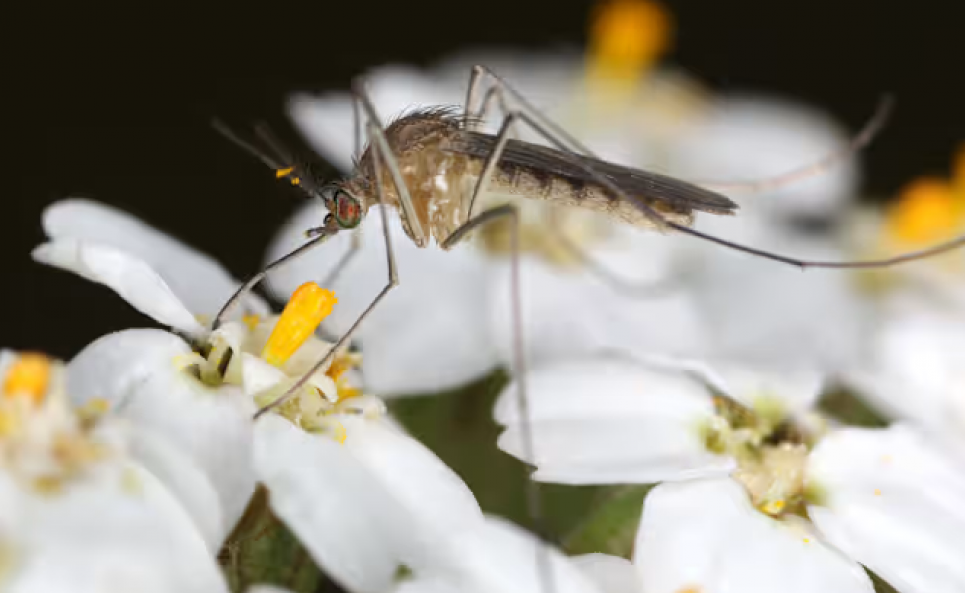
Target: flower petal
pixel 499 556
pixel 704 535
pixel 200 282
pixel 570 311
pixel 746 138
pixel 893 502
pixel 117 530
pixel 764 313
pixel 916 370
pixel 429 334
pixel 612 574
pixel 123 273
pixel 327 121
pixel 138 373
pixel 603 421
pixel 796 388
pixel 364 507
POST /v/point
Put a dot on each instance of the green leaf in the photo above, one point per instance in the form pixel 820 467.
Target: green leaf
pixel 611 527
pixel 262 550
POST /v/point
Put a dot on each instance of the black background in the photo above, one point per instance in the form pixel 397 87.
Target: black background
pixel 113 103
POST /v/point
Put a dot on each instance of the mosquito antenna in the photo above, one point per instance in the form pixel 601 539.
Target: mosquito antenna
pixel 285 167
pixel 858 142
pixel 248 147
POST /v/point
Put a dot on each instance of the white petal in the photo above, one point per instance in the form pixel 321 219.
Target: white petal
pixel 127 275
pixel 750 138
pixel 705 536
pixel 138 372
pixel 571 311
pixel 916 370
pixel 894 503
pixel 327 121
pixel 200 282
pixel 500 557
pixel 763 312
pixel 185 480
pixel 363 507
pixel 796 388
pixel 611 421
pixel 116 529
pixel 429 334
pixel 611 574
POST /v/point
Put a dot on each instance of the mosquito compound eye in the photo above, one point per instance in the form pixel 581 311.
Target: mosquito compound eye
pixel 347 211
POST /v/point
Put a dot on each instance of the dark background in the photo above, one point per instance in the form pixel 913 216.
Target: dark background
pixel 113 103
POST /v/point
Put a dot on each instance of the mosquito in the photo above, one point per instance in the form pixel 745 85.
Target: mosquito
pixel 433 165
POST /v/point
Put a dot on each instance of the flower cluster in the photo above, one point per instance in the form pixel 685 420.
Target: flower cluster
pixel 224 447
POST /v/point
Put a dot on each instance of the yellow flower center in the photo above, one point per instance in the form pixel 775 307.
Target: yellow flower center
pixel 627 37
pixel 306 309
pixel 926 212
pixel 28 377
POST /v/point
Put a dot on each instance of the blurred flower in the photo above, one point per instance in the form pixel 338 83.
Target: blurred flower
pixel 759 494
pixel 456 305
pixel 80 513
pixel 928 211
pixel 754 309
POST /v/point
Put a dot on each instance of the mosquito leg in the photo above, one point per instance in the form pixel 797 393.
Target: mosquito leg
pixel 858 142
pixel 635 289
pixel 254 280
pixel 377 139
pixel 534 501
pixel 548 130
pixel 374 130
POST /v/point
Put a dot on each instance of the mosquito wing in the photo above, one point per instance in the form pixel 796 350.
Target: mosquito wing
pixel 549 164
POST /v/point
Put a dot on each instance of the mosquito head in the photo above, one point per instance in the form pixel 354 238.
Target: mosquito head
pixel 345 210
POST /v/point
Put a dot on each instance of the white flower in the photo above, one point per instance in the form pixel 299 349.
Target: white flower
pixel 151 376
pixel 760 495
pixel 364 497
pixel 612 420
pixel 80 514
pixel 458 304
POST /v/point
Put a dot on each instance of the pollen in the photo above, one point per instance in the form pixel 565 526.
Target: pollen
pixel 306 309
pixel 28 376
pixel 877 492
pixel 925 213
pixel 627 37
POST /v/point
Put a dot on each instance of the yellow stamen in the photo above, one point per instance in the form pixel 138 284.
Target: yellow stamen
pixel 309 305
pixel 877 492
pixel 28 376
pixel 925 213
pixel 627 38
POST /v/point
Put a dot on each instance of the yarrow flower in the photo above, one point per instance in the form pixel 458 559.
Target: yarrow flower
pixel 758 492
pixel 88 501
pixel 339 472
